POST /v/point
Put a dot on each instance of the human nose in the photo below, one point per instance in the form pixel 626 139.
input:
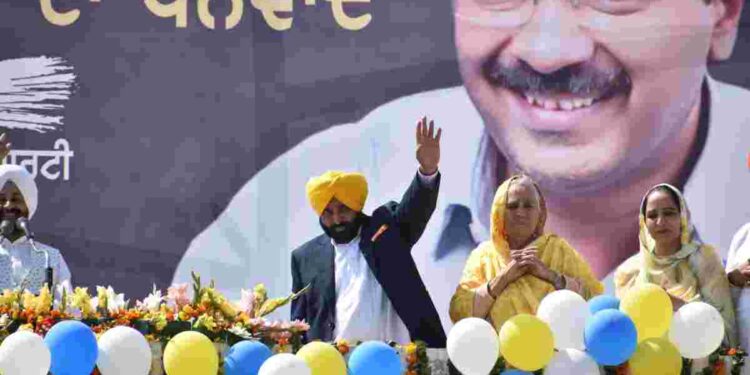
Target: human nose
pixel 552 39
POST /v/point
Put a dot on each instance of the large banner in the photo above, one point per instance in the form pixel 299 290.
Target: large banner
pixel 172 136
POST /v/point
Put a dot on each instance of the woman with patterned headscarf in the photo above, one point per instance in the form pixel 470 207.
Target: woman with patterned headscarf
pixel 513 272
pixel 672 256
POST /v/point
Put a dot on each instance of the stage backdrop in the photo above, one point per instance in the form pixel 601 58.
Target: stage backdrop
pixel 145 120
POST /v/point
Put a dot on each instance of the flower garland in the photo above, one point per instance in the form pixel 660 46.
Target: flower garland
pixel 158 317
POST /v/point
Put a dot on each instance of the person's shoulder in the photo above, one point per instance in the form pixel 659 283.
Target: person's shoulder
pixel 48 248
pixel 743 232
pixel 630 265
pixel 308 248
pixel 483 251
pixel 709 252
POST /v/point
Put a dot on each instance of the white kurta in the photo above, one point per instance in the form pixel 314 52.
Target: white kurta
pixel 363 310
pixel 19 263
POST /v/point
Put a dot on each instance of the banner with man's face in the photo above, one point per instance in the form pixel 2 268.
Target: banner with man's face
pixel 176 136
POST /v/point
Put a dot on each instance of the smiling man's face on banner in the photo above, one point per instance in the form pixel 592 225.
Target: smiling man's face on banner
pixel 580 92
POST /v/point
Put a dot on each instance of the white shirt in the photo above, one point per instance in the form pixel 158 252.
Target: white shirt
pixel 363 310
pixel 739 253
pixel 21 264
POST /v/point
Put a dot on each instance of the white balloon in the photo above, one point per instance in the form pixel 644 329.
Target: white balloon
pixel 284 364
pixel 24 353
pixel 565 312
pixel 473 346
pixel 571 361
pixel 697 330
pixel 123 351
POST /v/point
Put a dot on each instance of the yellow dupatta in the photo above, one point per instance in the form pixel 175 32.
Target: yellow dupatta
pixel 694 273
pixel 523 295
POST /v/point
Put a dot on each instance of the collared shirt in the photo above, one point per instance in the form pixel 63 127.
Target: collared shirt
pixel 21 264
pixel 363 310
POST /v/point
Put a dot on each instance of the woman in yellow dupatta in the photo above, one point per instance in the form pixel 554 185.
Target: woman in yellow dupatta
pixel 513 272
pixel 672 257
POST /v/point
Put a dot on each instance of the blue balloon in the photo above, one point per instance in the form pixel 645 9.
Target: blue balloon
pixel 515 372
pixel 610 337
pixel 375 358
pixel 245 358
pixel 603 302
pixel 73 347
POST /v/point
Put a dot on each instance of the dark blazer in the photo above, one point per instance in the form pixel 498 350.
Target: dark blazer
pixel 389 258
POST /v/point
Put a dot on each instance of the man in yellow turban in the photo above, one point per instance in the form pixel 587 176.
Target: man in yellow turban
pixel 363 282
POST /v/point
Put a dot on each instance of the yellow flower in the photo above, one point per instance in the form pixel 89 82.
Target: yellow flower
pixel 9 298
pixel 28 300
pixel 101 295
pixel 160 322
pixel 81 300
pixel 410 349
pixel 43 301
pixel 26 327
pixel 205 321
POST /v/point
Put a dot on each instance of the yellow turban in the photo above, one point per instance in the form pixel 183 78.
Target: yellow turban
pixel 349 188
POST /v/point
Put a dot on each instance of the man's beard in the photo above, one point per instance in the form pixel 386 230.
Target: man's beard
pixel 344 232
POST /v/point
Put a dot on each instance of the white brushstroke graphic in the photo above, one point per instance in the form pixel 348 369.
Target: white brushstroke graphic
pixel 33 92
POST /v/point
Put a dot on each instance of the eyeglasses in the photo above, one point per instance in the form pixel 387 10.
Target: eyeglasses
pixel 514 13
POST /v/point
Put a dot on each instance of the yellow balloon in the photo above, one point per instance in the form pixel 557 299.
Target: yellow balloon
pixel 190 353
pixel 650 309
pixel 526 342
pixel 656 356
pixel 323 359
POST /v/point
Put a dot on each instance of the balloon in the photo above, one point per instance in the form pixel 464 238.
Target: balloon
pixel 565 312
pixel 284 364
pixel 24 353
pixel 656 356
pixel 375 358
pixel 190 353
pixel 697 330
pixel 650 308
pixel 473 346
pixel 123 351
pixel 603 302
pixel 245 358
pixel 610 337
pixel 72 346
pixel 322 359
pixel 526 342
pixel 571 361
pixel 515 372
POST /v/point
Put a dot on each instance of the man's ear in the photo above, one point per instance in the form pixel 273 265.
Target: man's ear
pixel 727 14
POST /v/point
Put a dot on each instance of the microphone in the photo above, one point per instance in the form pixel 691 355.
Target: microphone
pixel 23 224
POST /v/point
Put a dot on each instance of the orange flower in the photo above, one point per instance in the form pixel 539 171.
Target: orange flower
pixel 732 351
pixel 342 348
pixel 411 358
pixel 719 368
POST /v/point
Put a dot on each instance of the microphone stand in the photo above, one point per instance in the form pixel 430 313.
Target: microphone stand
pixel 48 272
